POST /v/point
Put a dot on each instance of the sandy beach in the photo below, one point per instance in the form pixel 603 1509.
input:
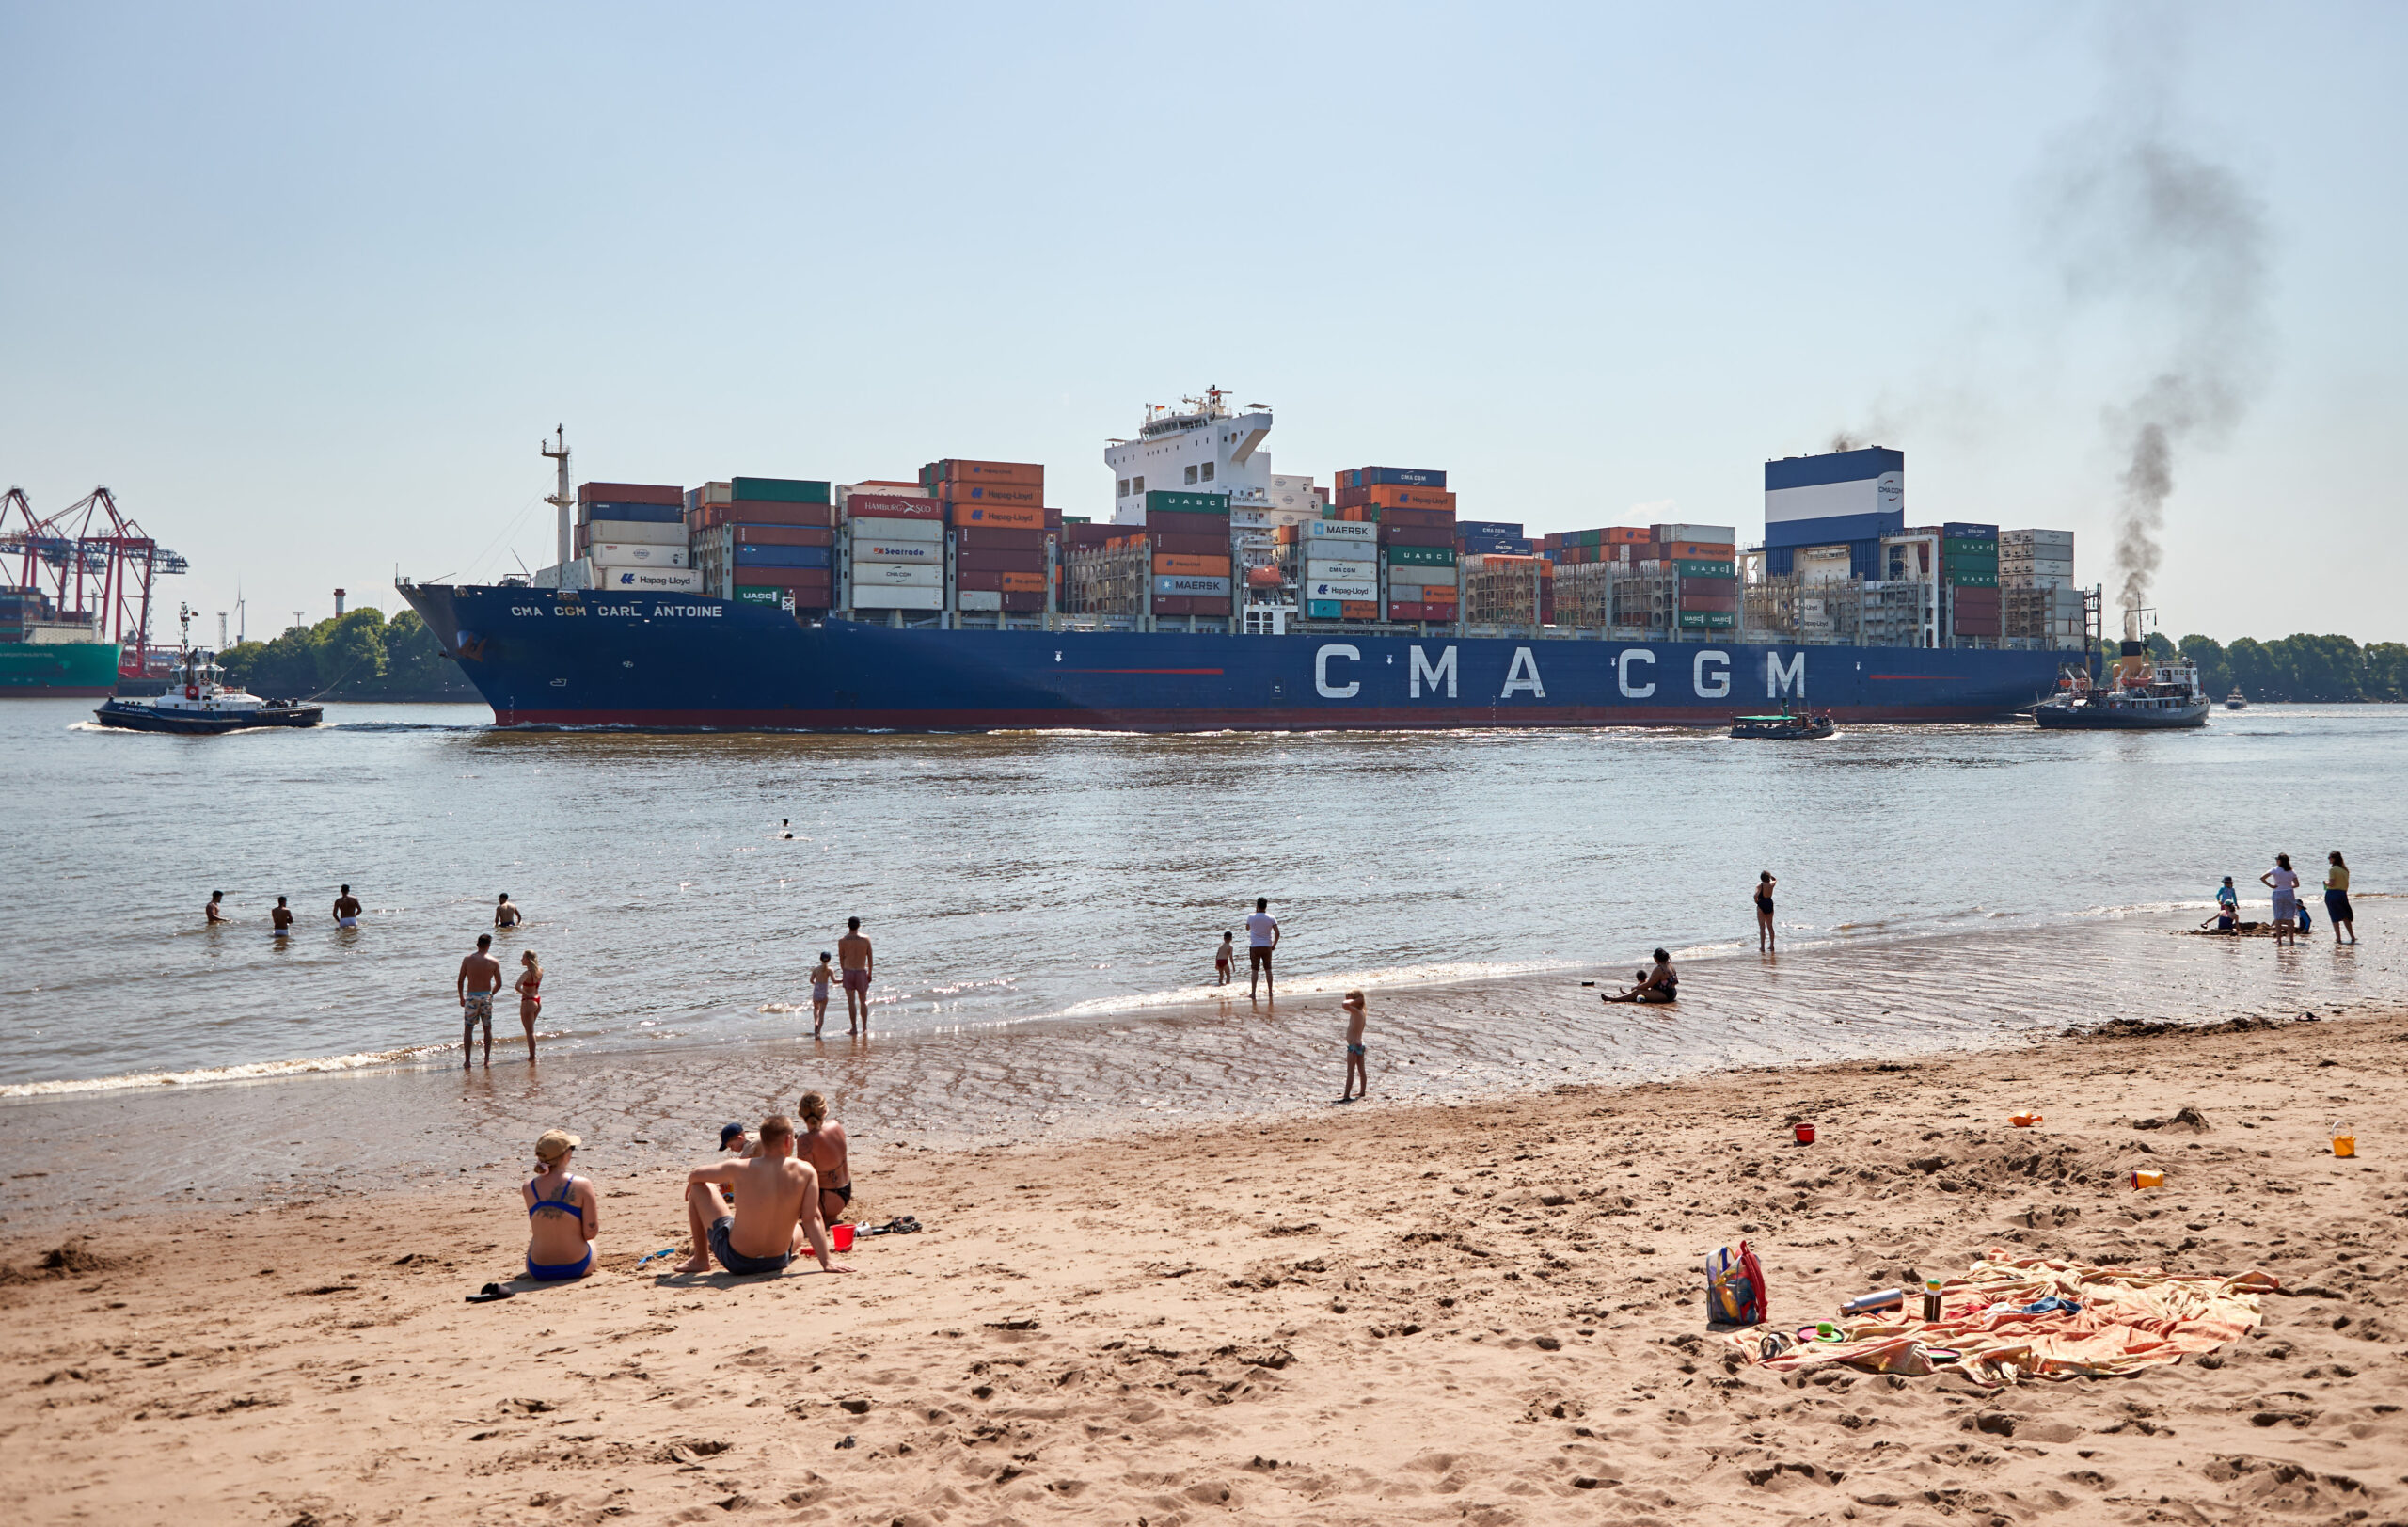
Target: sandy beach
pixel 1488 1313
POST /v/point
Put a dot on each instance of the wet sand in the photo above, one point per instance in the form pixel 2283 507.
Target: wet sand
pixel 1484 1312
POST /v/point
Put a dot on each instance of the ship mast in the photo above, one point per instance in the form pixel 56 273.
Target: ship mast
pixel 559 500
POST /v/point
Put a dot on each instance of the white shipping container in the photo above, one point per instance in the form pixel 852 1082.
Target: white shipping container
pixel 2036 539
pixel 1402 576
pixel 647 580
pixel 1322 589
pixel 898 530
pixel 614 554
pixel 1711 534
pixel 896 575
pixel 976 599
pixel 881 490
pixel 1347 571
pixel 870 548
pixel 1341 529
pixel 636 532
pixel 718 493
pixel 888 599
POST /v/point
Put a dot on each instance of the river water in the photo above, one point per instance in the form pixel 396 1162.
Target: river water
pixel 1044 909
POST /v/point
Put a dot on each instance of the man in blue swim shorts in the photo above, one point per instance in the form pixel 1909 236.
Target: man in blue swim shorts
pixel 776 1209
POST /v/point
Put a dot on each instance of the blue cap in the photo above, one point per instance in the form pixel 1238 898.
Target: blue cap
pixel 729 1132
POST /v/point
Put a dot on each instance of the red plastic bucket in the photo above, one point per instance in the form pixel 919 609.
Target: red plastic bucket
pixel 1805 1134
pixel 841 1237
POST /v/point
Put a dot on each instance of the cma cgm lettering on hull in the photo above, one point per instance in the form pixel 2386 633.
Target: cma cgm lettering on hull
pixel 565 659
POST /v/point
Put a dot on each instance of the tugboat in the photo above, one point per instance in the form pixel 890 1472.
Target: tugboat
pixel 198 700
pixel 2234 701
pixel 1788 726
pixel 2147 695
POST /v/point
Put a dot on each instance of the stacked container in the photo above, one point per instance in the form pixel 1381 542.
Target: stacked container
pixel 1415 517
pixel 1507 590
pixel 1189 537
pixel 765 540
pixel 1704 561
pixel 2038 599
pixel 1491 537
pixel 1337 568
pixel 632 537
pixel 894 548
pixel 997 514
pixel 1969 567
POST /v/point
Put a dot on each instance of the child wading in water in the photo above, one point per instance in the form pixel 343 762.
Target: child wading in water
pixel 1354 1065
pixel 820 980
pixel 1223 956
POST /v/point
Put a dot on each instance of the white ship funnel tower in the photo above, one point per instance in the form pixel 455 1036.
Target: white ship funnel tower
pixel 1203 446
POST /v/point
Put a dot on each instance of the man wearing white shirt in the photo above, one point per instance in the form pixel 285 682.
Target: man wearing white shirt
pixel 1261 937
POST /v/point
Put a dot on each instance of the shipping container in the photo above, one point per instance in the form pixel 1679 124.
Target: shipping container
pixel 1201 566
pixel 1003 495
pixel 1710 534
pixel 1391 496
pixel 709 493
pixel 1341 571
pixel 979 600
pixel 808 586
pixel 889 506
pixel 765 514
pixel 898 530
pixel 1705 569
pixel 1211 588
pixel 984 537
pixel 1700 550
pixel 778 490
pixel 635 533
pixel 984 580
pixel 621 554
pixel 1023 604
pixel 1427 518
pixel 1433 535
pixel 1490 527
pixel 1391 477
pixel 649 514
pixel 1321 609
pixel 874 597
pixel 1004 516
pixel 1160 501
pixel 647 579
pixel 1957 530
pixel 1019 473
pixel 656 493
pixel 1348 589
pixel 998 562
pixel 1400 577
pixel 896 574
pixel 1358 608
pixel 762 594
pixel 780 535
pixel 1364 535
pixel 1707 620
pixel 881 549
pixel 782 556
pixel 1190 546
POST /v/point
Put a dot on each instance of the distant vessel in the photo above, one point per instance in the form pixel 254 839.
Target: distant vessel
pixel 2234 701
pixel 199 703
pixel 1787 727
pixel 44 652
pixel 2144 695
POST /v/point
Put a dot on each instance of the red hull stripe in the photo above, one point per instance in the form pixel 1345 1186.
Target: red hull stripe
pixel 1297 719
pixel 1141 670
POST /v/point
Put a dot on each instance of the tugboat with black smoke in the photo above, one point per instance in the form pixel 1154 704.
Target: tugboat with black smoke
pixel 2143 695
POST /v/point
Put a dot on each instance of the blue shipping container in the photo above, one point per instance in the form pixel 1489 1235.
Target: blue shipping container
pixel 1399 477
pixel 1489 526
pixel 641 514
pixel 1957 529
pixel 782 556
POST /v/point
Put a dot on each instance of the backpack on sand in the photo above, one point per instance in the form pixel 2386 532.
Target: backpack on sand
pixel 1735 1288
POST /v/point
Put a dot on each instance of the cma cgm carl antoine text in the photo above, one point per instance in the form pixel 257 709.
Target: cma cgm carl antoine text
pixel 889 647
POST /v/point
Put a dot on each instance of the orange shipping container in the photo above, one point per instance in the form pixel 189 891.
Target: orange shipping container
pixel 1390 496
pixel 1193 567
pixel 1007 516
pixel 1359 610
pixel 1024 473
pixel 1023 582
pixel 954 491
pixel 1438 594
pixel 1628 536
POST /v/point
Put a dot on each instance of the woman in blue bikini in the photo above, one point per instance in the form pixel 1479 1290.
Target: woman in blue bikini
pixel 562 1213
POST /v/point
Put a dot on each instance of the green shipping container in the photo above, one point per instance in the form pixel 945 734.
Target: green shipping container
pixel 1708 620
pixel 1420 556
pixel 1972 581
pixel 1321 609
pixel 1707 569
pixel 1164 501
pixel 778 490
pixel 1969 548
pixel 746 594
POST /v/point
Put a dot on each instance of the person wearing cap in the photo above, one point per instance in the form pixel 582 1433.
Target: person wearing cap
pixel 562 1213
pixel 2227 917
pixel 774 1212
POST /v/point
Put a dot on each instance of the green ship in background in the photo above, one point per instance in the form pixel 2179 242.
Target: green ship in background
pixel 44 654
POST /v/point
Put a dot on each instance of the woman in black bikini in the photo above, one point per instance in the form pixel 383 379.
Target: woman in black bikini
pixel 1661 984
pixel 1766 937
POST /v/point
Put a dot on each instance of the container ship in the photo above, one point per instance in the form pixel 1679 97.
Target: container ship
pixel 44 651
pixel 1221 596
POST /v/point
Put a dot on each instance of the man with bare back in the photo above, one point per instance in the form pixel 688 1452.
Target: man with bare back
pixel 480 978
pixel 776 1209
pixel 853 958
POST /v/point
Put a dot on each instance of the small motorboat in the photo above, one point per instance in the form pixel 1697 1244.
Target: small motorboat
pixel 1788 726
pixel 2234 701
pixel 197 701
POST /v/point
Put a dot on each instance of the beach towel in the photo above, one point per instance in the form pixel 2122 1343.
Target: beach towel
pixel 2012 1318
pixel 1735 1288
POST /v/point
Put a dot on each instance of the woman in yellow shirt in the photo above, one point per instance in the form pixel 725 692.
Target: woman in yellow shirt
pixel 2336 899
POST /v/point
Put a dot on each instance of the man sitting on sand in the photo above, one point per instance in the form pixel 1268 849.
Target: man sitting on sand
pixel 1661 984
pixel 776 1209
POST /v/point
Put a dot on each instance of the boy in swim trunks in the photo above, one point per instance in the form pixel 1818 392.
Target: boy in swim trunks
pixel 1222 957
pixel 480 978
pixel 1355 1067
pixel 820 977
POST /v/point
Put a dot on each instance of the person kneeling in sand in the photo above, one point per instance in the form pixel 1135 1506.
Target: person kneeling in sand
pixel 1661 984
pixel 776 1209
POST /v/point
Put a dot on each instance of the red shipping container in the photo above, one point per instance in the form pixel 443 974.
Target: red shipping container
pixel 768 514
pixel 782 535
pixel 1021 604
pixel 1411 612
pixel 980 579
pixel 1418 535
pixel 1419 517
pixel 1083 535
pixel 879 506
pixel 1026 474
pixel 998 538
pixel 630 493
pixel 803 581
pixel 1015 495
pixel 1174 604
pixel 1708 601
pixel 1000 561
pixel 1191 546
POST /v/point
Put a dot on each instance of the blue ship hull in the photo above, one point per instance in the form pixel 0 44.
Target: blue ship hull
pixel 542 659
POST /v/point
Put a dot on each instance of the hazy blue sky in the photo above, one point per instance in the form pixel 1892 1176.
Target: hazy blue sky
pixel 304 284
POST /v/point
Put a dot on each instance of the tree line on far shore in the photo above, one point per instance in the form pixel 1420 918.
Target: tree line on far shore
pixel 2308 668
pixel 359 655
